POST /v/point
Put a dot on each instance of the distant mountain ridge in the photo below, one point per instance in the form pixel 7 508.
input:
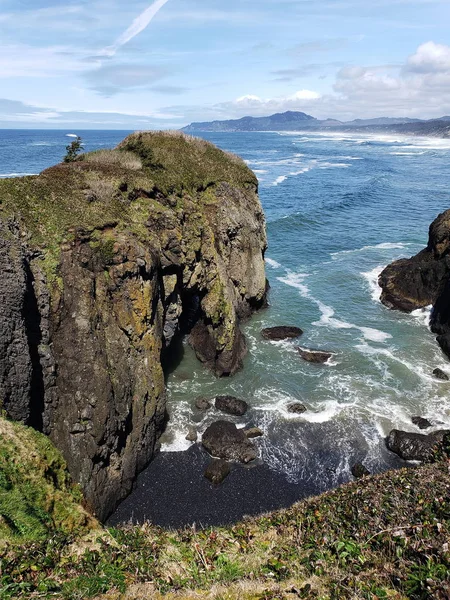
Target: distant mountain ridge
pixel 299 121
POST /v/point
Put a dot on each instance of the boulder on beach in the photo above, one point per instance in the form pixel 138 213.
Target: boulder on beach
pixel 421 422
pixel 253 432
pixel 231 405
pixel 192 435
pixel 439 374
pixel 202 403
pixel 359 470
pixel 281 332
pixel 224 440
pixel 217 470
pixel 415 446
pixel 297 408
pixel 314 356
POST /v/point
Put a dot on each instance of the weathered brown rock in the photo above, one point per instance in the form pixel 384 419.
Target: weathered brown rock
pixel 297 408
pixel 192 435
pixel 359 470
pixel 224 440
pixel 439 374
pixel 411 283
pixel 314 356
pixel 421 422
pixel 231 405
pixel 254 432
pixel 414 446
pixel 202 403
pixel 282 332
pixel 217 471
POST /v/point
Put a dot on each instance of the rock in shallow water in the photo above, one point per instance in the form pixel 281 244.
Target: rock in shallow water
pixel 421 422
pixel 224 440
pixel 314 356
pixel 414 446
pixel 253 432
pixel 296 408
pixel 439 374
pixel 282 332
pixel 359 470
pixel 217 471
pixel 202 404
pixel 192 435
pixel 231 405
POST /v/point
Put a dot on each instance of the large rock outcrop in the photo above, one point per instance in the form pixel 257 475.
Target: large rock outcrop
pixel 411 283
pixel 106 261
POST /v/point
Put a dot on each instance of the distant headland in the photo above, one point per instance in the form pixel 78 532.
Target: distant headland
pixel 300 121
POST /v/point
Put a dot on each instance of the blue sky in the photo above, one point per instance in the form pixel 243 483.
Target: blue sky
pixel 142 64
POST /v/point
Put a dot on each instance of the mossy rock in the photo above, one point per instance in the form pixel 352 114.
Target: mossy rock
pixel 37 496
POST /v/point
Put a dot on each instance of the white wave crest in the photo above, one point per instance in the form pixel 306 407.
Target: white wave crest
pixel 272 263
pixel 372 279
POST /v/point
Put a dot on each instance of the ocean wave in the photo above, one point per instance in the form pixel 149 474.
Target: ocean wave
pixel 279 180
pixel 8 175
pixel 272 263
pixel 382 246
pixel 372 279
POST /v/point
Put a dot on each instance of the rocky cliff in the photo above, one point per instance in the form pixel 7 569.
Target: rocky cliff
pixel 423 280
pixel 105 262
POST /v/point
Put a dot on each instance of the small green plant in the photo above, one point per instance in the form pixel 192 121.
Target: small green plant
pixel 73 150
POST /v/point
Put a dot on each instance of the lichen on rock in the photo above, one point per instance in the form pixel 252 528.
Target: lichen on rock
pixel 115 255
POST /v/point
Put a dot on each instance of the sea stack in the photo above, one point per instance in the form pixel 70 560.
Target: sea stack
pixel 106 261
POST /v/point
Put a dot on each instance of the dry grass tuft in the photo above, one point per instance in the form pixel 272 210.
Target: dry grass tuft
pixel 115 158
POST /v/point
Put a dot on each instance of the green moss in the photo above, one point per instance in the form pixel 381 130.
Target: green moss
pixel 36 493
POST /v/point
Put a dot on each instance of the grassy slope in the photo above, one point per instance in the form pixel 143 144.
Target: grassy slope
pixel 37 497
pixel 381 537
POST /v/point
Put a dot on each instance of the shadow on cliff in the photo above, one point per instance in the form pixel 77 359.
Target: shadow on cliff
pixel 33 331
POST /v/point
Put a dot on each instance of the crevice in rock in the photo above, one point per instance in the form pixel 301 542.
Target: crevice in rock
pixel 32 318
pixel 172 355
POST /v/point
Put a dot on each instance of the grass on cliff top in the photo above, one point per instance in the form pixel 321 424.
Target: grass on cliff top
pixel 37 497
pixel 381 537
pixel 119 188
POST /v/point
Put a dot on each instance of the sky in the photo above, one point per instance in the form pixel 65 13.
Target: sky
pixel 138 64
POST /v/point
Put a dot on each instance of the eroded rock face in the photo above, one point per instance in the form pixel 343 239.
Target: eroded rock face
pixel 172 237
pixel 411 283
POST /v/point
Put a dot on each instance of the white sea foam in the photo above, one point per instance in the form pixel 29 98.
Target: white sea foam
pixel 295 280
pixel 374 335
pixel 8 175
pixel 382 246
pixel 372 279
pixel 272 263
pixel 279 180
pixel 422 315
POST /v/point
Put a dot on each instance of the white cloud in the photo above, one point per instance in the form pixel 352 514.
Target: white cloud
pixel 137 26
pixel 258 106
pixel 430 58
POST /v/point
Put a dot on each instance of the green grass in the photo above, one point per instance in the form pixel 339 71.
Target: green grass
pixel 381 537
pixel 116 188
pixel 37 497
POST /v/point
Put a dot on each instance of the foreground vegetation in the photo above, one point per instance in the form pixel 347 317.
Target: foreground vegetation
pixel 385 536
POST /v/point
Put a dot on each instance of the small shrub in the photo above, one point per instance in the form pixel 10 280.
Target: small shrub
pixel 73 150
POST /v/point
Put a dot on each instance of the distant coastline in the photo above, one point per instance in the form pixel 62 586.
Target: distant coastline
pixel 301 122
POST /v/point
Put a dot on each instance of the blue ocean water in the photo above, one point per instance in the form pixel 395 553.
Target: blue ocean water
pixel 339 208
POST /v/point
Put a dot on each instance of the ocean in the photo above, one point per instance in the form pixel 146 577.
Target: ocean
pixel 339 208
